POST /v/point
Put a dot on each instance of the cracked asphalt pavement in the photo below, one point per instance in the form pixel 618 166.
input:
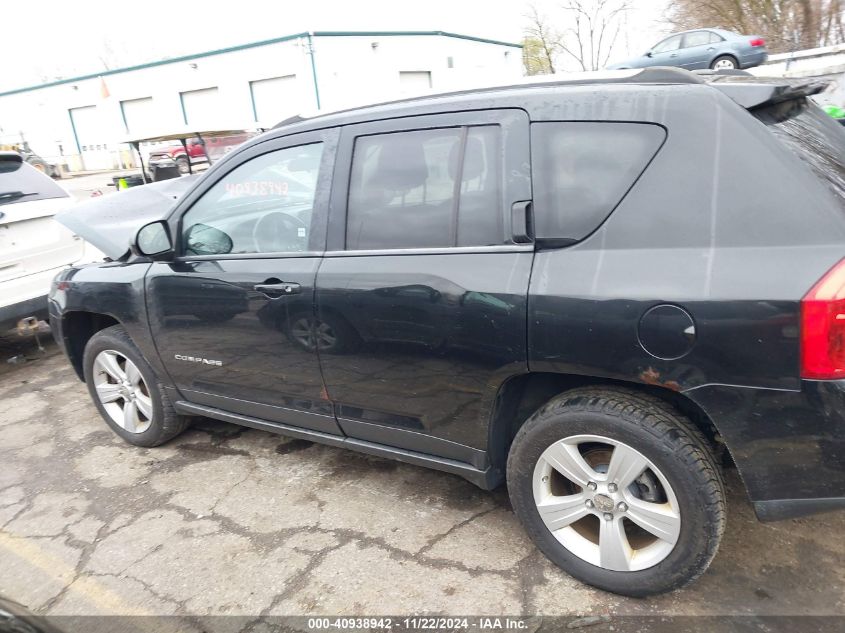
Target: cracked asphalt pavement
pixel 227 520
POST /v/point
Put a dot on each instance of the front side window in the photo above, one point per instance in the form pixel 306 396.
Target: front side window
pixel 426 189
pixel 582 170
pixel 671 44
pixel 262 206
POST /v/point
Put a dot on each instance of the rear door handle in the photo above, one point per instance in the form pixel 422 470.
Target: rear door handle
pixel 278 289
pixel 521 222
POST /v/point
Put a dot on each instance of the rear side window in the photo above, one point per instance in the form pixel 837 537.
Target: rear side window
pixel 426 189
pixel 815 137
pixel 20 182
pixel 698 38
pixel 583 170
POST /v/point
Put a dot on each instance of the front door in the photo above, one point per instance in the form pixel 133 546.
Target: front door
pixel 667 53
pixel 696 50
pixel 232 315
pixel 422 293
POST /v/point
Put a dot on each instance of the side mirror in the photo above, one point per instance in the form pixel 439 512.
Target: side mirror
pixel 649 53
pixel 153 240
pixel 201 239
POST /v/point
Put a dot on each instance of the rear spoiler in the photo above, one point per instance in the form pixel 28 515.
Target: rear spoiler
pixel 759 92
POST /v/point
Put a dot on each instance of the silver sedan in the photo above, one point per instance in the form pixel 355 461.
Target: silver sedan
pixel 703 48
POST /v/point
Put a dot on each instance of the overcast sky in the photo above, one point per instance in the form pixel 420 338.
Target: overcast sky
pixel 48 39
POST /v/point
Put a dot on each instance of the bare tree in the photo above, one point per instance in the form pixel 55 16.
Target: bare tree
pixel 593 31
pixel 588 34
pixel 786 24
pixel 541 45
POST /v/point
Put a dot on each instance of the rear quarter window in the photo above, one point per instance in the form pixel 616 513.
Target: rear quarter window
pixel 20 182
pixel 812 135
pixel 583 170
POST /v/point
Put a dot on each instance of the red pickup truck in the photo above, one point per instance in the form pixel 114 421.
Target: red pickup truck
pixel 217 146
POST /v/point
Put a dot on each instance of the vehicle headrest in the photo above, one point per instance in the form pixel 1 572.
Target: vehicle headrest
pixel 401 166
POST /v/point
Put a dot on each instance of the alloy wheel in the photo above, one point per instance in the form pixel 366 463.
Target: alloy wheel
pixel 606 503
pixel 313 334
pixel 122 391
pixel 724 64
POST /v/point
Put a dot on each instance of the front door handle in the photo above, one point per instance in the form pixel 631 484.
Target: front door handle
pixel 278 289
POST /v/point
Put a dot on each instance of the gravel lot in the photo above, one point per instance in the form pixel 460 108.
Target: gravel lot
pixel 225 520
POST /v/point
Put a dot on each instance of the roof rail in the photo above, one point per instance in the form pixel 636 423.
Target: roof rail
pixel 653 75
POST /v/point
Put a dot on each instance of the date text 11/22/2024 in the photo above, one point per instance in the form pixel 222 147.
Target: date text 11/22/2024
pixel 419 623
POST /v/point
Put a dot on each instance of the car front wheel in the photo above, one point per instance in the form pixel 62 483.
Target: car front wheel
pixel 619 490
pixel 126 392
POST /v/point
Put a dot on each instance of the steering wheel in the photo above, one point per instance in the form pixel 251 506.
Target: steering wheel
pixel 278 232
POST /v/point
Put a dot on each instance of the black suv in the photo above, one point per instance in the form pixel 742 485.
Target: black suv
pixel 598 291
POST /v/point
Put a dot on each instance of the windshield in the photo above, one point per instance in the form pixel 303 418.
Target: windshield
pixel 817 139
pixel 20 182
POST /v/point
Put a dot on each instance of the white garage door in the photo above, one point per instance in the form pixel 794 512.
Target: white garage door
pixel 274 99
pixel 139 116
pixel 201 109
pixel 414 82
pixel 89 129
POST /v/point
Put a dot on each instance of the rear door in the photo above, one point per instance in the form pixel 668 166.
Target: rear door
pixel 421 297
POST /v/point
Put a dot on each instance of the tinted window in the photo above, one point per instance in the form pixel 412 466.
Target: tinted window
pixel 815 137
pixel 426 189
pixel 583 170
pixel 698 38
pixel 671 44
pixel 264 205
pixel 20 182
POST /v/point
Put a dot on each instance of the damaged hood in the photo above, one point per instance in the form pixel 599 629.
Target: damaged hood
pixel 111 221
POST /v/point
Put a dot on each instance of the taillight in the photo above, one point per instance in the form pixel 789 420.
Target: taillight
pixel 823 327
pixel 759 41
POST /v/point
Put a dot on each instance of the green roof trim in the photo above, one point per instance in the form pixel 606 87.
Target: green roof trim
pixel 240 47
pixel 458 36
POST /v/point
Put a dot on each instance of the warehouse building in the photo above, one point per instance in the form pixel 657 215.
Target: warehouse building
pixel 83 122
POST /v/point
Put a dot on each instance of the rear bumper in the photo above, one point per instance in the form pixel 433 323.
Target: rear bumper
pixel 11 314
pixel 755 58
pixel 789 446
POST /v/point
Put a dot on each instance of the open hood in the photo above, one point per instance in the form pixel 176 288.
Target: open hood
pixel 110 222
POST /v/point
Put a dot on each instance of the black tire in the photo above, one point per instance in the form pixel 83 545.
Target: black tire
pixel 725 58
pixel 165 422
pixel 663 436
pixel 183 165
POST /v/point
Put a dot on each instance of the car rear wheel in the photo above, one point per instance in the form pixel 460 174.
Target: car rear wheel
pixel 725 62
pixel 619 490
pixel 126 391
